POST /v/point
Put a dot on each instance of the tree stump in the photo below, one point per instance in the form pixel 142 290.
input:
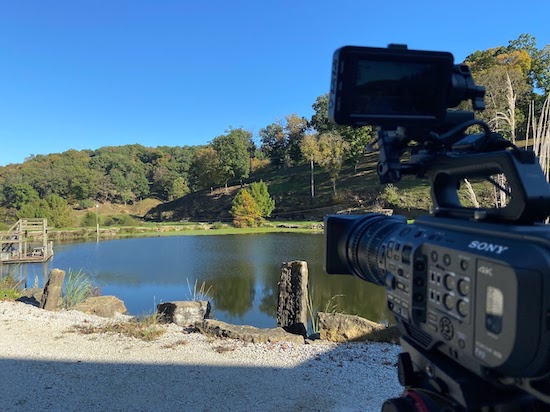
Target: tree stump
pixel 53 290
pixel 293 297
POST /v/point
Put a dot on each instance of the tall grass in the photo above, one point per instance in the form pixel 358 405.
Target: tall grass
pixel 78 287
pixel 198 292
pixel 331 306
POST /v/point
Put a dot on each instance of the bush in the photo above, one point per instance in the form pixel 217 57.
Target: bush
pixel 245 211
pixel 89 220
pixel 261 196
pixel 125 220
pixel 85 204
pixel 217 225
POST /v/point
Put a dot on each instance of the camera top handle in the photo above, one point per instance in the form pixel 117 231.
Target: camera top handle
pixel 530 193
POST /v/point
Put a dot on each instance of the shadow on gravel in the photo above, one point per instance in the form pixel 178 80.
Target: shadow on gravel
pixel 335 381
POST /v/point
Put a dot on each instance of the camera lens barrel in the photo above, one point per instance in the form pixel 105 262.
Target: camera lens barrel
pixel 355 245
pixel 366 246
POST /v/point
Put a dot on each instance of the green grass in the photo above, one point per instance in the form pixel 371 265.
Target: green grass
pixel 10 289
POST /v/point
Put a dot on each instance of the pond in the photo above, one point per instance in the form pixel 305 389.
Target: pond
pixel 240 273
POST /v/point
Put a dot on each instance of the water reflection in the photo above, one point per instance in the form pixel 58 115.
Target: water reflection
pixel 242 272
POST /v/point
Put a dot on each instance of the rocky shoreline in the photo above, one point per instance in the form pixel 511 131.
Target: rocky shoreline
pixel 46 364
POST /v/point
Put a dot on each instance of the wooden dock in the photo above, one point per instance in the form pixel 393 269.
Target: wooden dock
pixel 26 242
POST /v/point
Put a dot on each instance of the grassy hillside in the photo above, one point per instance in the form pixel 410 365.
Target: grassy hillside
pixel 357 190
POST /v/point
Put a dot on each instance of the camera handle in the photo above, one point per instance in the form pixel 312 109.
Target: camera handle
pixel 530 200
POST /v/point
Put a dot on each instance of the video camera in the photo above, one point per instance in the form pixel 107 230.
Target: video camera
pixel 469 287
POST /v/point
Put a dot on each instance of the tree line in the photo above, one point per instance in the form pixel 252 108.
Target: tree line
pixel 516 77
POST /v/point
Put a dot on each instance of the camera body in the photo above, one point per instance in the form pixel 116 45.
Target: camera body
pixel 469 287
pixel 474 291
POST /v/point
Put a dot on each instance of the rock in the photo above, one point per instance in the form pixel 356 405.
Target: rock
pixel 104 306
pixel 52 290
pixel 184 313
pixel 338 327
pixel 246 333
pixel 32 296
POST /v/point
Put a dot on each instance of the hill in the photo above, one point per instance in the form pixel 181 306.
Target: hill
pixel 356 190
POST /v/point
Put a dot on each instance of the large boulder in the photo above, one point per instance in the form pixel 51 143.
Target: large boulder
pixel 338 327
pixel 246 333
pixel 104 306
pixel 184 313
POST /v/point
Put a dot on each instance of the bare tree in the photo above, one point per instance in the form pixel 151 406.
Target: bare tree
pixel 508 116
pixel 539 130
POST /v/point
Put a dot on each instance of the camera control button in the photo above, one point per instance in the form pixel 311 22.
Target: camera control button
pixel 462 308
pixel 406 254
pixel 446 260
pixel 449 281
pixel 464 264
pixel 389 251
pixel 390 281
pixel 463 287
pixel 434 256
pixel 449 301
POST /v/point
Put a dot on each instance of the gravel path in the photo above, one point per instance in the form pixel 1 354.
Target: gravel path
pixel 45 365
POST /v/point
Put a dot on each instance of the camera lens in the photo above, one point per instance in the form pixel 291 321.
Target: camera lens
pixel 365 246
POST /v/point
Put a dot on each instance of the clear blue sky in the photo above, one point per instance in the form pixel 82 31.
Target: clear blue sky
pixel 83 74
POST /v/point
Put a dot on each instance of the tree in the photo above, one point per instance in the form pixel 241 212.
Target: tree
pixel 294 129
pixel 59 213
pixel 245 210
pixel 356 137
pixel 19 195
pixel 281 140
pixel 539 68
pixel 178 188
pixel 232 149
pixel 261 196
pixel 504 74
pixel 206 169
pixel 310 150
pixel 332 152
pixel 274 144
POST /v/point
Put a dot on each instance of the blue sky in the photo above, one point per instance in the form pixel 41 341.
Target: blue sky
pixel 82 74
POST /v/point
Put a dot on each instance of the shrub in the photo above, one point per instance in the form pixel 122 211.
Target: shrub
pixel 261 196
pixel 245 211
pixel 390 196
pixel 125 220
pixel 217 225
pixel 89 220
pixel 85 204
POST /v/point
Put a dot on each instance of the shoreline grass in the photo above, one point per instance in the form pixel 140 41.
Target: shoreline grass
pixel 184 229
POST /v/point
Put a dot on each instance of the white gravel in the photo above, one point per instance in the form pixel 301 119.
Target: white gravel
pixel 45 365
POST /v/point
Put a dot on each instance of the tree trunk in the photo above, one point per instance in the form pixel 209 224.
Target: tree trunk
pixel 472 194
pixel 312 181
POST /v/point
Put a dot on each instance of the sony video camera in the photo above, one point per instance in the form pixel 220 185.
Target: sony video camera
pixel 469 287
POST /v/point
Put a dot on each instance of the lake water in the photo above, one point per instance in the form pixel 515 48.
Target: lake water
pixel 242 272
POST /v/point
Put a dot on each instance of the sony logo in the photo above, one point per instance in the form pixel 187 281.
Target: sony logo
pixel 487 247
